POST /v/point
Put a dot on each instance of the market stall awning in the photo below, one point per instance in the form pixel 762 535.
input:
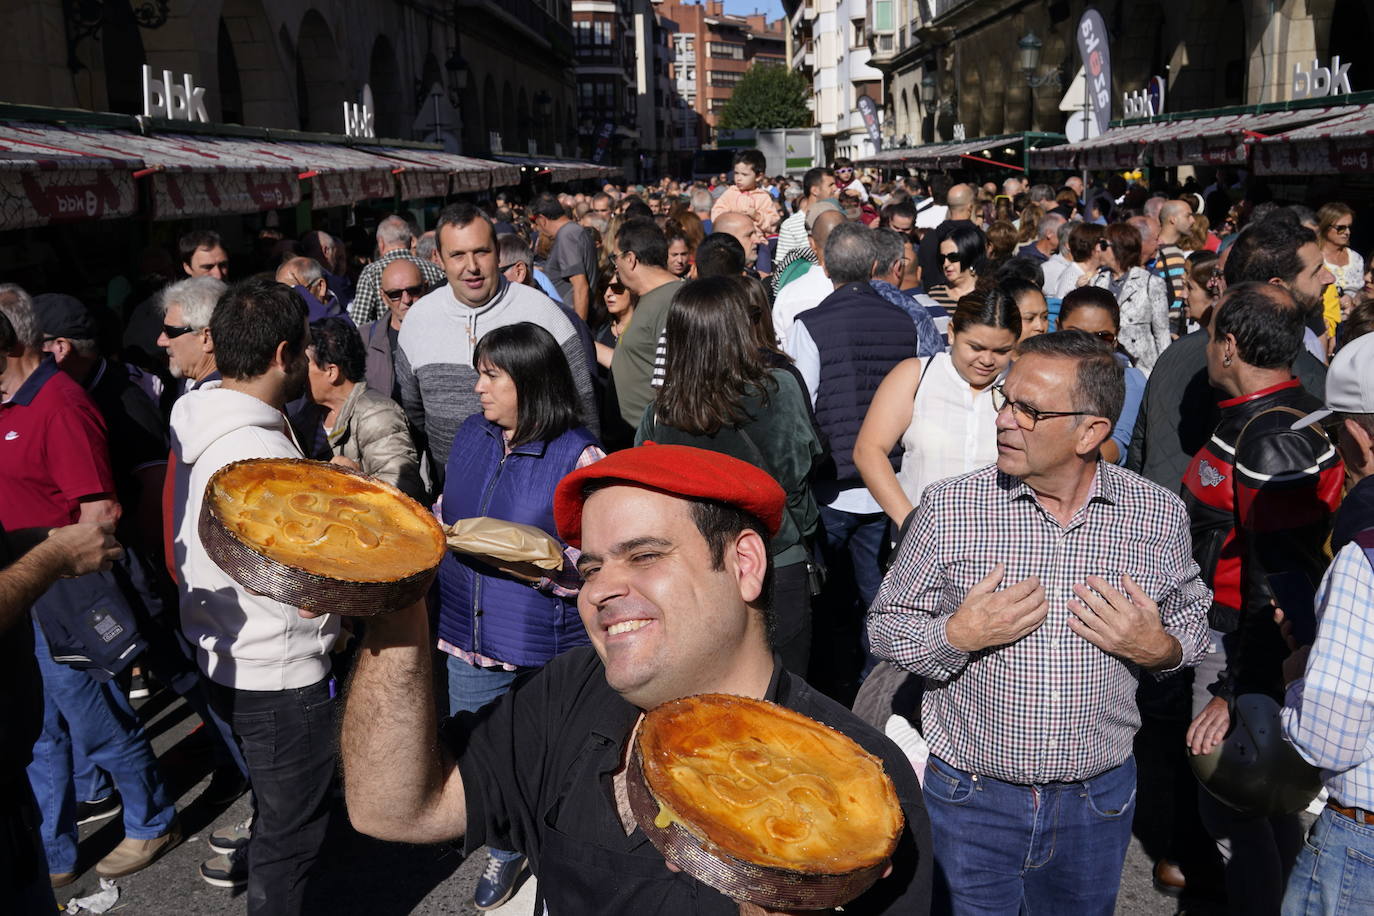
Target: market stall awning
pixel 1206 139
pixel 43 181
pixel 1340 144
pixel 559 169
pixel 955 153
pixel 423 172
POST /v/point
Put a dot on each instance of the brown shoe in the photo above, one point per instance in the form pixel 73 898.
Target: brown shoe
pixel 62 879
pixel 134 855
pixel 1169 878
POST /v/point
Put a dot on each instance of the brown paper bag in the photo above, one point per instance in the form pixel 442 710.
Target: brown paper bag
pixel 520 550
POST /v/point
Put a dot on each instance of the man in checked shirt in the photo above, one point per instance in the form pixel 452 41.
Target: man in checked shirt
pixel 1031 595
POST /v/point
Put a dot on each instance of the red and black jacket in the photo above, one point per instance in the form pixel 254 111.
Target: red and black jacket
pixel 1261 496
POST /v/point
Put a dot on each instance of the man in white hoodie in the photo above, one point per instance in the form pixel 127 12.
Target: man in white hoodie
pixel 268 667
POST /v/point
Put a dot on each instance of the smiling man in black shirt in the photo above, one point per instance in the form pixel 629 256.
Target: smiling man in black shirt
pixel 675 599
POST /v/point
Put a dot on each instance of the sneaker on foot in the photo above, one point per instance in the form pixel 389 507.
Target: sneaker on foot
pixel 232 838
pixel 138 686
pixel 497 884
pixel 62 879
pixel 88 812
pixel 135 855
pixel 229 870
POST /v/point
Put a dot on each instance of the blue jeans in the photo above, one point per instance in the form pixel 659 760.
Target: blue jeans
pixel 1335 871
pixel 469 689
pixel 1001 848
pixel 79 712
pixel 288 741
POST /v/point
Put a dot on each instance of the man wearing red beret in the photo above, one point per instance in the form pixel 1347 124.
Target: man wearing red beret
pixel 676 601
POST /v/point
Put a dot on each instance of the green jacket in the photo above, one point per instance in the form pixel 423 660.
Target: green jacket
pixel 780 440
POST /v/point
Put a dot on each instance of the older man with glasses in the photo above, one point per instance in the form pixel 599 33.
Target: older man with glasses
pixel 401 286
pixel 1031 595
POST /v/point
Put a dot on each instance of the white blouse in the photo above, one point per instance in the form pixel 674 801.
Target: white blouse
pixel 953 429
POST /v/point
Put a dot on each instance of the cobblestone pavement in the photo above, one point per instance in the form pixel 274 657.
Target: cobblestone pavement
pixel 359 875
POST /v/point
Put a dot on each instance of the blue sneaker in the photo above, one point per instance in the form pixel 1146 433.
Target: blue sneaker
pixel 498 882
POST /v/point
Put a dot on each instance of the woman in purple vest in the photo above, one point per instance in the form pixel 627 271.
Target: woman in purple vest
pixel 505 463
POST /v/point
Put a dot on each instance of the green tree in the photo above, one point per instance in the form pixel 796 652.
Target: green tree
pixel 768 96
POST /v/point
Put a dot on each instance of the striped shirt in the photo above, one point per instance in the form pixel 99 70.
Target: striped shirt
pixel 1172 265
pixel 1050 707
pixel 1328 714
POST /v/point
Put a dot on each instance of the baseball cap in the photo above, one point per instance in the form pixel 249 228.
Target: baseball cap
pixel 60 315
pixel 1349 382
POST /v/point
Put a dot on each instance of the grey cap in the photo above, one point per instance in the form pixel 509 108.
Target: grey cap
pixel 814 211
pixel 1349 382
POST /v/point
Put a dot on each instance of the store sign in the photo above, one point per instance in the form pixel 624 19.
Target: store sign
pixel 358 120
pixel 164 98
pixel 1146 103
pixel 1317 81
pixel 1097 62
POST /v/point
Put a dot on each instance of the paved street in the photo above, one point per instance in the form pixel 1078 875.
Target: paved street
pixel 361 875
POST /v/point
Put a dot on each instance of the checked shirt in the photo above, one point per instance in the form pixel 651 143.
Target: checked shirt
pixel 1050 707
pixel 367 304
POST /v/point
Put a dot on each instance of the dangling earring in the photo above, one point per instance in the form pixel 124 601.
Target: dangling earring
pixel 1226 362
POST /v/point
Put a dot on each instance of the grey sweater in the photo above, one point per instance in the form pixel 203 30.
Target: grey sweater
pixel 434 360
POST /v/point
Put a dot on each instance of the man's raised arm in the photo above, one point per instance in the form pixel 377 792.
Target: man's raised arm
pixel 399 785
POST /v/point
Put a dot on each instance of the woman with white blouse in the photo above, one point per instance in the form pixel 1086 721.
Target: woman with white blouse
pixel 939 408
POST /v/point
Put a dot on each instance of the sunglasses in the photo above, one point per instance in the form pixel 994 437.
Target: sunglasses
pixel 617 288
pixel 953 257
pixel 844 171
pixel 172 332
pixel 1343 228
pixel 415 292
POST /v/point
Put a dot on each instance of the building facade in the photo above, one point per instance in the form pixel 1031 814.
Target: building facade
pixel 713 51
pixel 478 75
pixel 830 44
pixel 961 62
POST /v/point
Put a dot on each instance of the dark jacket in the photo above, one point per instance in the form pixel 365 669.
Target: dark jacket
pixel 480 609
pixel 1260 499
pixel 1355 514
pixel 381 367
pixel 928 255
pixel 860 336
pixel 1180 409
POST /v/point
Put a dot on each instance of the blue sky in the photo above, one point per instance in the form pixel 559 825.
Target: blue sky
pixel 744 7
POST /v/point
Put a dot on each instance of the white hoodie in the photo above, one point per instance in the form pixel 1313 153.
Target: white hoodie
pixel 241 640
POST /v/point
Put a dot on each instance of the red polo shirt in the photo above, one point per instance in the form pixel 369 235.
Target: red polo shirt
pixel 52 451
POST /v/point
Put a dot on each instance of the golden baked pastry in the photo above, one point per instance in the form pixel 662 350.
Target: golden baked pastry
pixel 758 782
pixel 327 521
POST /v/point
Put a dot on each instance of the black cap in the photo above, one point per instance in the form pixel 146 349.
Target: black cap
pixel 60 315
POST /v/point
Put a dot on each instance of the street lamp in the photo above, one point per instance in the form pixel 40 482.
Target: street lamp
pixel 457 68
pixel 1031 46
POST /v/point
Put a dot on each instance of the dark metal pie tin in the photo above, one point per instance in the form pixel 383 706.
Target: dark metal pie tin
pixel 771 888
pixel 298 587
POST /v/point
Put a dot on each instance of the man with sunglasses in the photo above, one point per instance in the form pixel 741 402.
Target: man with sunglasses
pixel 401 287
pixel 1032 595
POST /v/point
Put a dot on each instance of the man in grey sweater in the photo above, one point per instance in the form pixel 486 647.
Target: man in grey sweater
pixel 434 351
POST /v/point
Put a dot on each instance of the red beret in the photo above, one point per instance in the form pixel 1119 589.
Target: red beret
pixel 677 470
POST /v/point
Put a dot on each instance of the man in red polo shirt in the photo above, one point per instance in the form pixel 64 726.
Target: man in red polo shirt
pixel 54 471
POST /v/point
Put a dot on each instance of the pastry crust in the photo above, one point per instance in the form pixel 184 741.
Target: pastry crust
pixel 324 520
pixel 769 786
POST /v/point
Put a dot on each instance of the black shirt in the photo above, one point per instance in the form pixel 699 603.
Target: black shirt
pixel 928 255
pixel 537 767
pixel 135 429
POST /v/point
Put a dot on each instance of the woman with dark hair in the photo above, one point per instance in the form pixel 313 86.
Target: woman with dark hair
pixel 939 408
pixel 718 394
pixel 963 253
pixel 365 429
pixel 504 464
pixel 616 308
pixel 1031 303
pixel 680 249
pixel 1199 287
pixel 1094 310
pixel 1143 297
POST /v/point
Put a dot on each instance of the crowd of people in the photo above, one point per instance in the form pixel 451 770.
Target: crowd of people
pixel 1038 493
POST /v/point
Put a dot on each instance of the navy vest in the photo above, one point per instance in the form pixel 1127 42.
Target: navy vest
pixel 484 611
pixel 860 337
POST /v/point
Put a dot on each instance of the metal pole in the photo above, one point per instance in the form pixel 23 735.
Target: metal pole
pixel 1087 119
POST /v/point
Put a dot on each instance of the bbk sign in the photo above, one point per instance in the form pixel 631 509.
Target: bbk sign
pixel 358 120
pixel 165 98
pixel 1316 81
